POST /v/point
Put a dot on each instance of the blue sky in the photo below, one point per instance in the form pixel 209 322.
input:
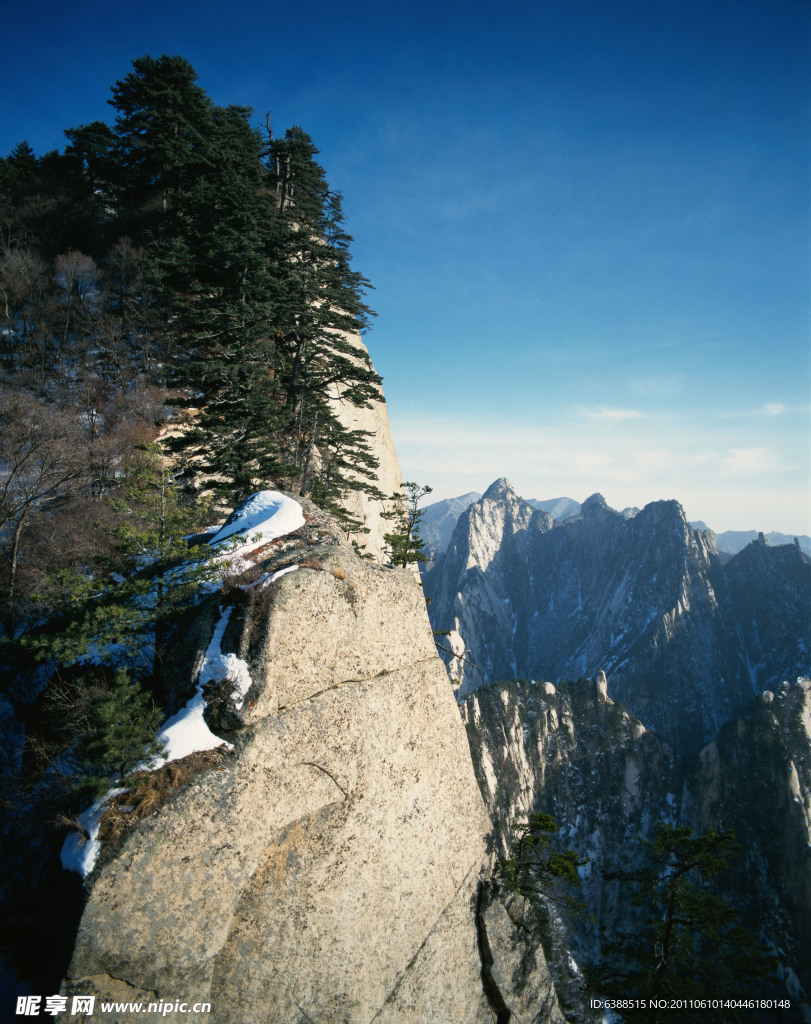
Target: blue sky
pixel 587 221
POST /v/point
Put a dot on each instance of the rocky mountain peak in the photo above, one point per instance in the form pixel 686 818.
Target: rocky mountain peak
pixel 686 640
pixel 487 523
pixel 671 507
pixel 499 490
pixel 594 501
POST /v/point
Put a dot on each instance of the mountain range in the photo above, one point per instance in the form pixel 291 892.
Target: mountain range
pixel 615 671
pixel 686 639
pixel 440 517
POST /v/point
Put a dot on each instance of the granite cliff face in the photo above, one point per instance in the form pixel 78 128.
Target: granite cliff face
pixel 333 867
pixel 572 752
pixel 575 754
pixel 468 585
pixel 686 640
pixel 374 420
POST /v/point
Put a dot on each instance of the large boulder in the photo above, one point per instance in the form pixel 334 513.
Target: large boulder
pixel 329 869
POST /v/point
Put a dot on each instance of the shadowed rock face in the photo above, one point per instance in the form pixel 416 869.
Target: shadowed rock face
pixel 330 871
pixel 755 778
pixel 685 641
pixel 572 752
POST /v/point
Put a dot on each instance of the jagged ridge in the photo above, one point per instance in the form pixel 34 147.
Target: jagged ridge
pixel 685 640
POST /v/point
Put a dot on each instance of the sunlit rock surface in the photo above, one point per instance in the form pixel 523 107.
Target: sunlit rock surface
pixel 686 640
pixel 332 868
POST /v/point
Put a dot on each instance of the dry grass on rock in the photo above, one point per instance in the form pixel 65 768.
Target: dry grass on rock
pixel 150 791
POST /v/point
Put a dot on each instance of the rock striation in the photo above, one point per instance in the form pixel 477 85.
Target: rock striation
pixel 686 640
pixel 333 867
pixel 574 753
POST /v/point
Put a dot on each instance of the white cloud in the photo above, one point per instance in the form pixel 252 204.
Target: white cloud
pixel 661 385
pixel 770 409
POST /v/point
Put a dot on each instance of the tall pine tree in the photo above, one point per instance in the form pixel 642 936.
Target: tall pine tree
pixel 162 126
pixel 321 306
pixel 226 286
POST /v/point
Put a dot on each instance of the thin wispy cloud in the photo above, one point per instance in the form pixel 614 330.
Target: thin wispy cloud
pixel 658 385
pixel 611 415
pixel 666 457
pixel 750 461
pixel 766 409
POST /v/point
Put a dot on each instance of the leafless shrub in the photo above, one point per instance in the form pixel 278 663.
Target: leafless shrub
pixel 42 461
pixel 150 791
pixel 68 820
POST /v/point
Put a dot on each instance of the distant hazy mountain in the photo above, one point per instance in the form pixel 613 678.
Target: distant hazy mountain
pixel 558 508
pixel 440 518
pixel 685 640
pixel 730 542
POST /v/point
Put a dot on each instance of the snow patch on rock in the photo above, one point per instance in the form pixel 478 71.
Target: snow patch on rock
pixel 263 517
pixel 218 666
pixel 79 852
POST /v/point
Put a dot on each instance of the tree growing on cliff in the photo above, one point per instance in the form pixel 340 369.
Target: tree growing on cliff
pixel 320 306
pixel 536 868
pixel 122 736
pixel 693 945
pixel 404 541
pixel 225 277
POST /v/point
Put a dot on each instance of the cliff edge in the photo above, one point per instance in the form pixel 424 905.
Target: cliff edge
pixel 330 868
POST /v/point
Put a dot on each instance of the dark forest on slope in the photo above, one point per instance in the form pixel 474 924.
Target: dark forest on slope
pixel 178 308
pixel 181 267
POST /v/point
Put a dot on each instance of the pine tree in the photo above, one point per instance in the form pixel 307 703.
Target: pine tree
pixel 22 162
pixel 124 723
pixel 405 543
pixel 693 945
pixel 91 148
pixel 535 869
pixel 162 126
pixel 320 307
pixel 230 362
pixel 90 171
pixel 268 304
